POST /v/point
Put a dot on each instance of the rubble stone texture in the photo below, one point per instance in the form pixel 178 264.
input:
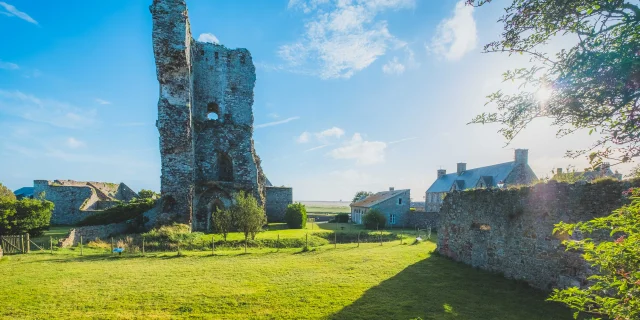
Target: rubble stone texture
pixel 511 231
pixel 205 121
pixel 75 200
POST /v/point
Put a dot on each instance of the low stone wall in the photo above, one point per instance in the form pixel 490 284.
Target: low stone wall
pixel 511 231
pixel 421 219
pixel 89 233
pixel 278 198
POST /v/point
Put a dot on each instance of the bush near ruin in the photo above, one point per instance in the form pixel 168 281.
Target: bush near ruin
pixel 132 211
pixel 296 216
pixel 31 216
pixel 374 219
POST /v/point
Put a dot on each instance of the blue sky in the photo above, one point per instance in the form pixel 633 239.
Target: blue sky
pixel 350 94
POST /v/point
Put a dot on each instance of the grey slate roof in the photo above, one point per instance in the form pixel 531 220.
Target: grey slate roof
pixel 24 192
pixel 372 200
pixel 469 178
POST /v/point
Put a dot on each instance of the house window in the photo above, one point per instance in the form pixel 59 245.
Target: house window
pixel 392 219
pixel 399 200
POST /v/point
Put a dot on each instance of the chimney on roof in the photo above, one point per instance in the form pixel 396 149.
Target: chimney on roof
pixel 391 188
pixel 521 156
pixel 441 172
pixel 462 167
pixel 559 171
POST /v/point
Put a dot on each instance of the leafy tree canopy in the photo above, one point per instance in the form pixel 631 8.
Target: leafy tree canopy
pixel 148 194
pixel 248 215
pixel 593 85
pixel 6 193
pixel 361 195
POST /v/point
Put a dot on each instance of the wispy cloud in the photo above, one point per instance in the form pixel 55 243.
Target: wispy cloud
pixel 364 152
pixel 402 140
pixel 208 37
pixel 393 67
pixel 275 123
pixel 74 143
pixel 273 115
pixel 12 11
pixel 456 35
pixel 342 37
pixel 102 101
pixel 131 124
pixel 8 65
pixel 304 137
pixel 56 113
pixel 317 148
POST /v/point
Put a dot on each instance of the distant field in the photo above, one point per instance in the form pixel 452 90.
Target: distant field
pixel 327 207
pixel 391 281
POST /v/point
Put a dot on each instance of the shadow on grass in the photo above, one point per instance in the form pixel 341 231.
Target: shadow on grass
pixel 438 288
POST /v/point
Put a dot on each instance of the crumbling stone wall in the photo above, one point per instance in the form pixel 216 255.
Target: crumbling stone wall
pixel 90 233
pixel 278 198
pixel 75 200
pixel 510 231
pixel 205 121
pixel 421 219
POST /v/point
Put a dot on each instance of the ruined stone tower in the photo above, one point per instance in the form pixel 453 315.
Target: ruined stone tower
pixel 205 120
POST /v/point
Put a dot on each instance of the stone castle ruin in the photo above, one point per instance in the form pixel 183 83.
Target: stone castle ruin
pixel 205 121
pixel 76 200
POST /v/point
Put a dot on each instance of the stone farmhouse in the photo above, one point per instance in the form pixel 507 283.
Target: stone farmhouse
pixel 205 121
pixel 394 204
pixel 76 200
pixel 516 172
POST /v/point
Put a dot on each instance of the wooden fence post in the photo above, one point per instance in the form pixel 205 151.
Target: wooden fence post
pixel 335 240
pixel 80 245
pixel 278 243
pixel 358 239
pixel 142 245
pixel 28 244
pixel 22 243
pixel 51 244
pixel 111 245
pixel 307 240
pixel 213 245
pixel 401 231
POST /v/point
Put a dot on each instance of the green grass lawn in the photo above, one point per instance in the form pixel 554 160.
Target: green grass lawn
pixel 327 210
pixel 391 281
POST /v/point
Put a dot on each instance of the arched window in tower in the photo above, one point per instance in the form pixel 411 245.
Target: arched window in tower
pixel 225 167
pixel 213 111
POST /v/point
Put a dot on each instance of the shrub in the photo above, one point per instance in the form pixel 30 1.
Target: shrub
pixel 121 213
pixel 374 219
pixel 147 194
pixel 247 215
pixel 614 290
pixel 296 216
pixel 342 218
pixel 25 216
pixel 222 222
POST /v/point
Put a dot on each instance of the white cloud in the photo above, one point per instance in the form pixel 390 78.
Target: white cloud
pixel 56 113
pixel 393 67
pixel 456 35
pixel 102 101
pixel 304 137
pixel 13 12
pixel 275 123
pixel 208 37
pixel 8 65
pixel 342 37
pixel 273 115
pixel 364 152
pixel 331 132
pixel 74 143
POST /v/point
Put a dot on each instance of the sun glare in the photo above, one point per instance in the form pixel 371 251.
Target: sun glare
pixel 544 94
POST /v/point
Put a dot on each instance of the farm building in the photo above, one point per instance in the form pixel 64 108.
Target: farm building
pixel 393 204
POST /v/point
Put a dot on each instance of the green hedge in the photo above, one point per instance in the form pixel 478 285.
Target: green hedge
pixel 120 213
pixel 296 216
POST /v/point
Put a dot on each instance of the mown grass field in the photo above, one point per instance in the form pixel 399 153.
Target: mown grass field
pixel 391 281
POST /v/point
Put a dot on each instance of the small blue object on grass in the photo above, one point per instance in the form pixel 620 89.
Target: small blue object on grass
pixel 118 250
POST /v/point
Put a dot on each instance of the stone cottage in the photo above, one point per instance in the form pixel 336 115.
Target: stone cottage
pixel 394 204
pixel 76 200
pixel 516 172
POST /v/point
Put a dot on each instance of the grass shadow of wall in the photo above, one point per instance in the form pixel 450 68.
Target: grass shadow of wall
pixel 438 288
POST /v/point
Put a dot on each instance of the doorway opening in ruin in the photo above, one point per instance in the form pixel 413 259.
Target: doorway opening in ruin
pixel 225 167
pixel 213 111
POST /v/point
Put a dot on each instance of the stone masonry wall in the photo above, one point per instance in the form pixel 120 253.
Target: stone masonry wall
pixel 421 219
pixel 278 198
pixel 68 201
pixel 91 233
pixel 510 231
